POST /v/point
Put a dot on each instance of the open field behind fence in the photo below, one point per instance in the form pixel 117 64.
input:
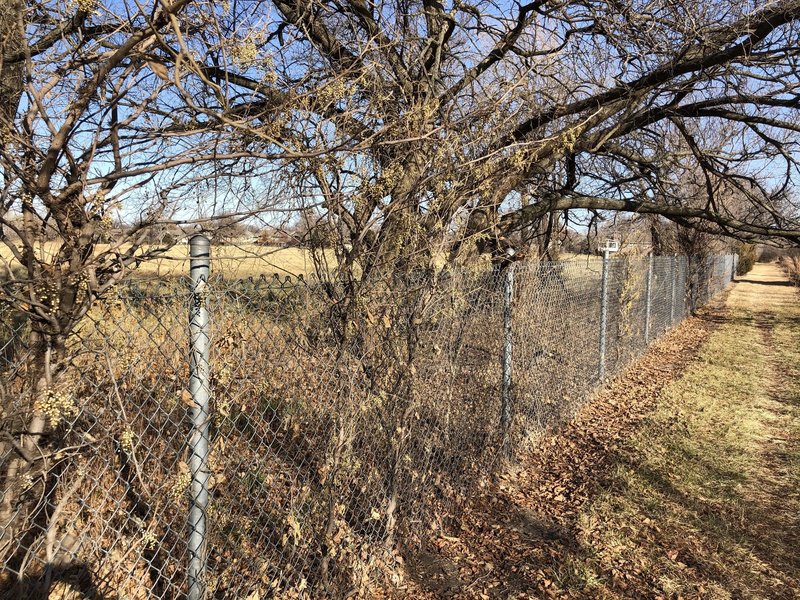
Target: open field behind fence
pixel 262 457
pixel 235 260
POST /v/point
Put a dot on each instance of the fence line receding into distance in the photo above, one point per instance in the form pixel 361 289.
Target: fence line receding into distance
pixel 218 438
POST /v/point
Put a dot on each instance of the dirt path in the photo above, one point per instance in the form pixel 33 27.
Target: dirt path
pixel 679 481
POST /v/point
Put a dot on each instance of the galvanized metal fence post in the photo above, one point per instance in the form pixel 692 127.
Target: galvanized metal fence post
pixel 648 299
pixel 199 372
pixel 674 276
pixel 508 346
pixel 601 371
pixel 683 295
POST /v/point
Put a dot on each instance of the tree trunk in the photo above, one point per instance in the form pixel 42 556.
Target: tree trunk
pixel 28 467
pixel 12 41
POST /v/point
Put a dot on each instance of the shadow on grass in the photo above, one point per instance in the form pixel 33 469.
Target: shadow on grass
pixel 780 283
pixel 712 530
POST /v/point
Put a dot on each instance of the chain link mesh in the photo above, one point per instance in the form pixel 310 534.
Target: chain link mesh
pixel 333 444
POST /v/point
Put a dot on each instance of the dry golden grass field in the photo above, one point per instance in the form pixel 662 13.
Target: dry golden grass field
pixel 237 261
pixel 242 260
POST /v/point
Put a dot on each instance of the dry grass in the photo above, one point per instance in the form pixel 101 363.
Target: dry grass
pixel 705 502
pixel 791 264
pixel 243 260
pixel 280 427
pixel 240 260
pixel 283 477
pixel 678 480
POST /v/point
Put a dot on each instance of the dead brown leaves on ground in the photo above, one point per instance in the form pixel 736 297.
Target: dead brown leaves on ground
pixel 517 538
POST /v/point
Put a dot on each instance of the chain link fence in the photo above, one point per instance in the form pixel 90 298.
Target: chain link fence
pixel 209 437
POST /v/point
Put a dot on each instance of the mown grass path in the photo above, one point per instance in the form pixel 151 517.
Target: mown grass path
pixel 680 480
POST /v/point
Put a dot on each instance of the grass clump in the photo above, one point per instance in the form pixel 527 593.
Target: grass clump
pixel 704 500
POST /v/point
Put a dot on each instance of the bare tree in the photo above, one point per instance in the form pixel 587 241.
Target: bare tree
pixel 411 130
pixel 416 130
pixel 404 124
pixel 429 110
pixel 90 131
pixel 420 128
